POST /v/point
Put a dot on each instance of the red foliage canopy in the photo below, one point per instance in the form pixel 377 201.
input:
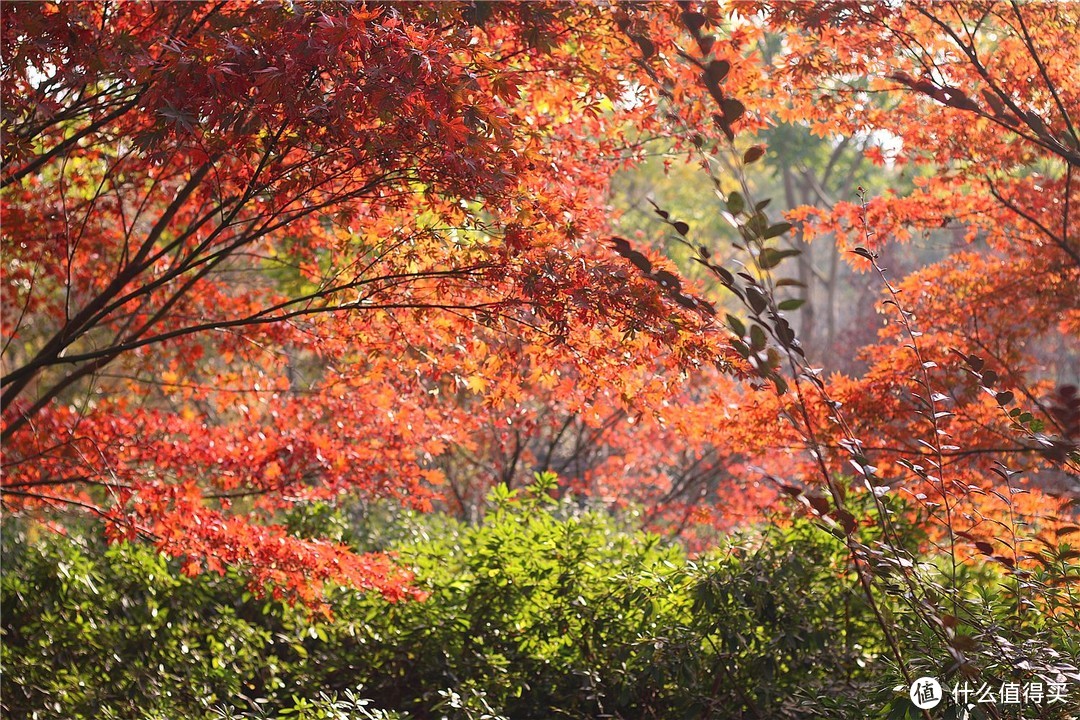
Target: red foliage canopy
pixel 251 252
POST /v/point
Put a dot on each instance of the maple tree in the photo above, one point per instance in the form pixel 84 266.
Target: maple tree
pixel 956 413
pixel 277 254
pixel 844 72
pixel 980 94
pixel 258 257
pixel 995 173
pixel 251 252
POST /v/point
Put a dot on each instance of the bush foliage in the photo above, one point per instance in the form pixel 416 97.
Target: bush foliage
pixel 545 609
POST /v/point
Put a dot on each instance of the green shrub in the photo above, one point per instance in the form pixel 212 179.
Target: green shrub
pixel 94 631
pixel 544 609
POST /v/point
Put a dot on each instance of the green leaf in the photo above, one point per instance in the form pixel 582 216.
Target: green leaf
pixel 755 227
pixel 899 709
pixel 736 325
pixel 757 337
pixel 735 203
pixel 784 333
pixel 771 257
pixel 757 301
pixel 740 347
pixel 777 230
pixel 792 304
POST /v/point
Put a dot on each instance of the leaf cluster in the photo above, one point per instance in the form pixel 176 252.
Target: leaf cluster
pixel 543 609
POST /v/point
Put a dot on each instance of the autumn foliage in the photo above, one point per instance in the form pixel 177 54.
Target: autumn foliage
pixel 261 255
pixel 664 353
pixel 256 256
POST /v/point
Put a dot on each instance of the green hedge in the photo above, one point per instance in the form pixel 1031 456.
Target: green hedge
pixel 543 610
